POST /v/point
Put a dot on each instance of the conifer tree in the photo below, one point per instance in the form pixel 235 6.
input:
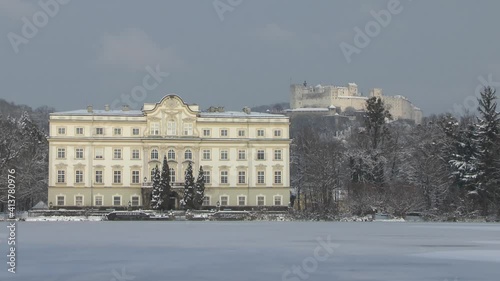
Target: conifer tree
pixel 155 194
pixel 165 185
pixel 189 185
pixel 200 189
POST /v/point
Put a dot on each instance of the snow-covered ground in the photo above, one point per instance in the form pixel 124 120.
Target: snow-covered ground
pixel 126 251
pixel 64 218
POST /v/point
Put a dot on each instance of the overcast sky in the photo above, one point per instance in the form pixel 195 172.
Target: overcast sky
pixel 243 52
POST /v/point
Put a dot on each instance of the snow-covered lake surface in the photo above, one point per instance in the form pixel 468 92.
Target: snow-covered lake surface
pixel 238 251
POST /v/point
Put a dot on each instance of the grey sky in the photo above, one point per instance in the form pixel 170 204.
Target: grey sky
pixel 90 52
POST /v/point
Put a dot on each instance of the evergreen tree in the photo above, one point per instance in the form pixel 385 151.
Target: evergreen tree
pixel 156 192
pixel 200 189
pixel 189 186
pixel 375 119
pixel 165 185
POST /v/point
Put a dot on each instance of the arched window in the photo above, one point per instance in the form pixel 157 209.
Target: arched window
pixel 172 175
pixel 154 154
pixel 171 154
pixel 188 155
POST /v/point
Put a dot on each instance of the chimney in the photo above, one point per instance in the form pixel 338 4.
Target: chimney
pixel 106 107
pixel 125 107
pixel 89 109
pixel 247 110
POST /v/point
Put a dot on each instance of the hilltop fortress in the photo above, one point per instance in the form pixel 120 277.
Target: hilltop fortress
pixel 342 99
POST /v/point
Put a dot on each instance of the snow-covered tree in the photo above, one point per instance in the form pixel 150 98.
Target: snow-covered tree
pixel 156 199
pixel 189 189
pixel 199 189
pixel 165 185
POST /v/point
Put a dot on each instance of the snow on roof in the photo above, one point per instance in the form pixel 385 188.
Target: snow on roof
pixel 101 112
pixel 40 206
pixel 240 114
pixel 306 109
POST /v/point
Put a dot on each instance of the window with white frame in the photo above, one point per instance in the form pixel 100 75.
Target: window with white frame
pixel 117 200
pixel 61 153
pixel 117 177
pixel 172 175
pixel 171 128
pixel 224 200
pixel 117 131
pixel 99 153
pixel 261 177
pixel 98 200
pixel 261 154
pixel 206 132
pixel 188 155
pixel 136 177
pixel 242 154
pixel 117 153
pixel 260 132
pixel 60 200
pixel 277 200
pixel 224 154
pixel 61 176
pixel 136 154
pixel 135 201
pixel 61 131
pixel 241 133
pixel 261 200
pixel 154 154
pixel 242 177
pixel 206 201
pixel 278 154
pixel 79 200
pixel 154 128
pixel 206 154
pixel 79 131
pixel 277 177
pixel 171 154
pixel 188 129
pixel 242 200
pixel 224 177
pixel 277 133
pixel 79 153
pixel 223 133
pixel 99 131
pixel 98 176
pixel 79 176
pixel 135 131
pixel 206 176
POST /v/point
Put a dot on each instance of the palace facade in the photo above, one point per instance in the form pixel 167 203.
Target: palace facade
pixel 104 158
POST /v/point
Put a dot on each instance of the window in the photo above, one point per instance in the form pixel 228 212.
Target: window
pixel 277 154
pixel 117 131
pixel 154 154
pixel 135 177
pixel 223 177
pixel 241 133
pixel 135 201
pixel 260 200
pixel 117 176
pixel 61 131
pixel 224 155
pixel 60 200
pixel 277 177
pixel 242 177
pixel 277 133
pixel 61 153
pixel 260 133
pixel 171 154
pixel 223 133
pixel 79 153
pixel 261 154
pixel 206 154
pixel 188 129
pixel 99 131
pixel 61 176
pixel 117 153
pixel 135 154
pixel 79 200
pixel 261 178
pixel 206 176
pixel 99 153
pixel 135 131
pixel 98 200
pixel 188 155
pixel 277 200
pixel 224 200
pixel 206 201
pixel 242 154
pixel 242 200
pixel 78 176
pixel 206 132
pixel 171 128
pixel 154 129
pixel 172 175
pixel 79 131
pixel 117 200
pixel 98 176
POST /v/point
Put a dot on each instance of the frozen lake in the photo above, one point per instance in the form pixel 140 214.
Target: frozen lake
pixel 238 251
